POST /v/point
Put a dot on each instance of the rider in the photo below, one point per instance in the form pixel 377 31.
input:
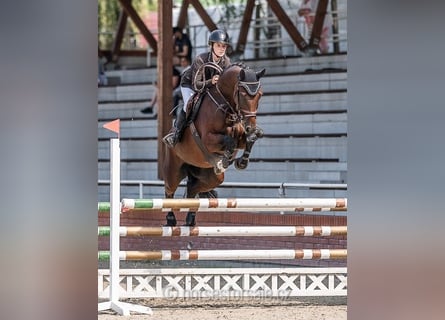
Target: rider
pixel 218 41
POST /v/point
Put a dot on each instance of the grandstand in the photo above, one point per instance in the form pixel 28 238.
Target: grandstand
pixel 303 113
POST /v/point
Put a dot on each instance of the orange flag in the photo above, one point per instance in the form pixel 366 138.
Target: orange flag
pixel 113 126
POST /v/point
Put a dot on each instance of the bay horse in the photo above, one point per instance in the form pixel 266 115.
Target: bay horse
pixel 217 129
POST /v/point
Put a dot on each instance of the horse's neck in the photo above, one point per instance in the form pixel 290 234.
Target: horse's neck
pixel 220 100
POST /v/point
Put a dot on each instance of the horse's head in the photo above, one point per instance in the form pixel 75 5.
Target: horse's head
pixel 242 89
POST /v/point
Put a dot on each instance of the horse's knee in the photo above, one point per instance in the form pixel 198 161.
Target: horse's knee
pixel 229 143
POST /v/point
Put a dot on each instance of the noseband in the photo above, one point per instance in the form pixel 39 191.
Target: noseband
pixel 252 89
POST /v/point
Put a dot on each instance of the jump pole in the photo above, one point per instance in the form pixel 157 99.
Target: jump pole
pixel 233 231
pixel 122 308
pixel 237 204
pixel 295 254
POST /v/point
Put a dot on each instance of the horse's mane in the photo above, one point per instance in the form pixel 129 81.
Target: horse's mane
pixel 240 64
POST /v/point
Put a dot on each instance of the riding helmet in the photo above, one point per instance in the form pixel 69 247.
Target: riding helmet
pixel 218 36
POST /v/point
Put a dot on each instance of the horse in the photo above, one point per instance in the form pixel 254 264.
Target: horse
pixel 218 128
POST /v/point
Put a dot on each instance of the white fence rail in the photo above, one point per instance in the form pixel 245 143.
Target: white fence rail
pixel 226 282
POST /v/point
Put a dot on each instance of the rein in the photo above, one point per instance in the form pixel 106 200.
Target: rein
pixel 201 68
pixel 236 112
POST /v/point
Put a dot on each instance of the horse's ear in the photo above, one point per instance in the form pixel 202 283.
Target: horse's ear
pixel 261 73
pixel 242 75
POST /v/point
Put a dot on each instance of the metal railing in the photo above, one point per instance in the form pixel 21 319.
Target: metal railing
pixel 261 45
pixel 279 186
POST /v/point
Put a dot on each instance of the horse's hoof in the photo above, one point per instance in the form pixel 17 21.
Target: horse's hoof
pixel 171 220
pixel 259 132
pixel 190 220
pixel 241 165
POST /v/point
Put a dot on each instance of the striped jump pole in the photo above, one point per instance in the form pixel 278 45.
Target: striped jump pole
pixel 305 254
pixel 103 206
pixel 236 204
pixel 236 231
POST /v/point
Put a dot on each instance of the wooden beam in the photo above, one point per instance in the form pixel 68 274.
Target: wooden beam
pixel 182 18
pixel 314 41
pixel 335 25
pixel 245 26
pixel 203 14
pixel 116 47
pixel 165 73
pixel 126 4
pixel 288 25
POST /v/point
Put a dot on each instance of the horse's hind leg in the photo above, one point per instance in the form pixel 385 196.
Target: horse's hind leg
pixel 190 219
pixel 203 182
pixel 171 219
pixel 173 174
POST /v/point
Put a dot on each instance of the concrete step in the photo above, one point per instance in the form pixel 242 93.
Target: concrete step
pixel 143 75
pixel 285 149
pixel 256 171
pixel 271 104
pixel 304 83
pixel 133 192
pixel 279 66
pixel 304 124
pixel 125 93
pixel 296 102
pixel 300 64
pixel 322 82
pixel 291 125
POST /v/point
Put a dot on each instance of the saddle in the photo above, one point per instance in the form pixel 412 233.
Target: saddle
pixel 193 107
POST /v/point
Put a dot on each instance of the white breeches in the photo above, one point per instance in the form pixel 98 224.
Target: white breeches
pixel 186 94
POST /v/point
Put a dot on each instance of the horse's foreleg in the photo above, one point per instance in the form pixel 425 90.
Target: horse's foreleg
pixel 242 162
pixel 230 145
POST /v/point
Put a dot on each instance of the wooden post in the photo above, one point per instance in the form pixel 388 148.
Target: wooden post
pixel 335 26
pixel 116 47
pixel 129 9
pixel 314 41
pixel 182 18
pixel 204 15
pixel 288 25
pixel 165 73
pixel 245 26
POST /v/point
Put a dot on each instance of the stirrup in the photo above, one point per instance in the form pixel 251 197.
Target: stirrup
pixel 170 139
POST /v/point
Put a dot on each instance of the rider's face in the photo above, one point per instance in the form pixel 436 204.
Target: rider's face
pixel 219 49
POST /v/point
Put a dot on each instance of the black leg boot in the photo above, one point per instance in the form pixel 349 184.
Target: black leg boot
pixel 171 219
pixel 190 220
pixel 180 123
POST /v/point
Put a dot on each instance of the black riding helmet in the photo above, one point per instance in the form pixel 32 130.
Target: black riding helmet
pixel 218 36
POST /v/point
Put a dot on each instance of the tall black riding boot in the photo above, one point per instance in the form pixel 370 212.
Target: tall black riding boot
pixel 180 123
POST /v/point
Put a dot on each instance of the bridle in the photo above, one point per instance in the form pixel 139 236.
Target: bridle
pixel 235 112
pixel 252 88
